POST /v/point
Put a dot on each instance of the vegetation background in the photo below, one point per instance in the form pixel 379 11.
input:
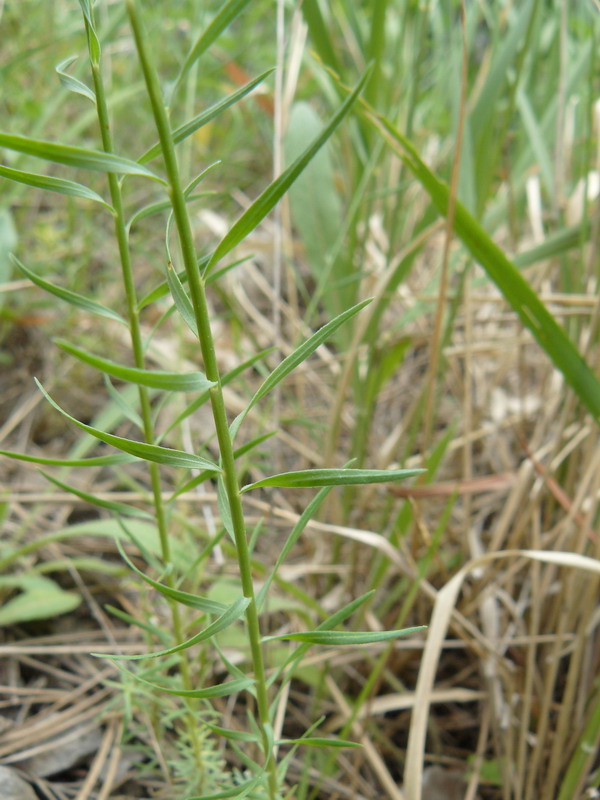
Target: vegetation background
pixel 461 194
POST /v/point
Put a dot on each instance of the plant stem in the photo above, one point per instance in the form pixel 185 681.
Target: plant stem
pixel 138 357
pixel 198 298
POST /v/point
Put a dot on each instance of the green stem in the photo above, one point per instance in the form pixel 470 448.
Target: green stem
pixel 138 357
pixel 198 298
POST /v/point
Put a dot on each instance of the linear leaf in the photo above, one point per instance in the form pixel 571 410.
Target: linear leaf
pixel 227 13
pixel 77 300
pixel 71 83
pixel 181 300
pixel 156 379
pixel 227 733
pixel 188 128
pixel 336 638
pixel 273 193
pixel 97 461
pixel 149 452
pixel 220 690
pixel 52 184
pixel 110 505
pixel 299 355
pixel 233 613
pixel 320 741
pixel 72 156
pixel 518 293
pixel 237 792
pixel 186 598
pixel 307 478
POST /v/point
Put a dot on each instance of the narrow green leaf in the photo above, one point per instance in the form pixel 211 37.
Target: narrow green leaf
pixel 308 513
pixel 237 792
pixel 75 156
pixel 92 36
pixel 224 17
pixel 77 300
pixel 149 452
pixel 227 733
pixel 155 379
pixel 518 293
pixel 181 300
pixel 123 404
pixel 320 741
pixel 52 184
pixel 110 505
pixel 333 477
pixel 188 128
pixel 299 355
pixel 186 598
pixel 331 622
pixel 273 193
pixel 233 613
pixel 338 638
pixel 97 461
pixel 226 379
pixel 220 690
pixel 71 83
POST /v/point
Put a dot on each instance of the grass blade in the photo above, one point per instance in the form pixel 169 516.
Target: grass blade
pixel 518 293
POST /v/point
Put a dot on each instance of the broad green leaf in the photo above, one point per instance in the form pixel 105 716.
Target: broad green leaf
pixel 59 185
pixel 71 83
pixel 224 17
pixel 314 201
pixel 80 157
pixel 233 613
pixel 518 293
pixel 77 300
pixel 338 638
pixel 188 128
pixel 307 478
pixel 156 379
pixel 110 505
pixel 8 242
pixel 186 598
pixel 149 452
pixel 39 598
pixel 273 193
pixel 96 461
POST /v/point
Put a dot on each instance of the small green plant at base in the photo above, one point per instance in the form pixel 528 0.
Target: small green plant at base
pixel 187 274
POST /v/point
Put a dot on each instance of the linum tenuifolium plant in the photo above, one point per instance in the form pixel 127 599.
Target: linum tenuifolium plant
pixel 188 274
